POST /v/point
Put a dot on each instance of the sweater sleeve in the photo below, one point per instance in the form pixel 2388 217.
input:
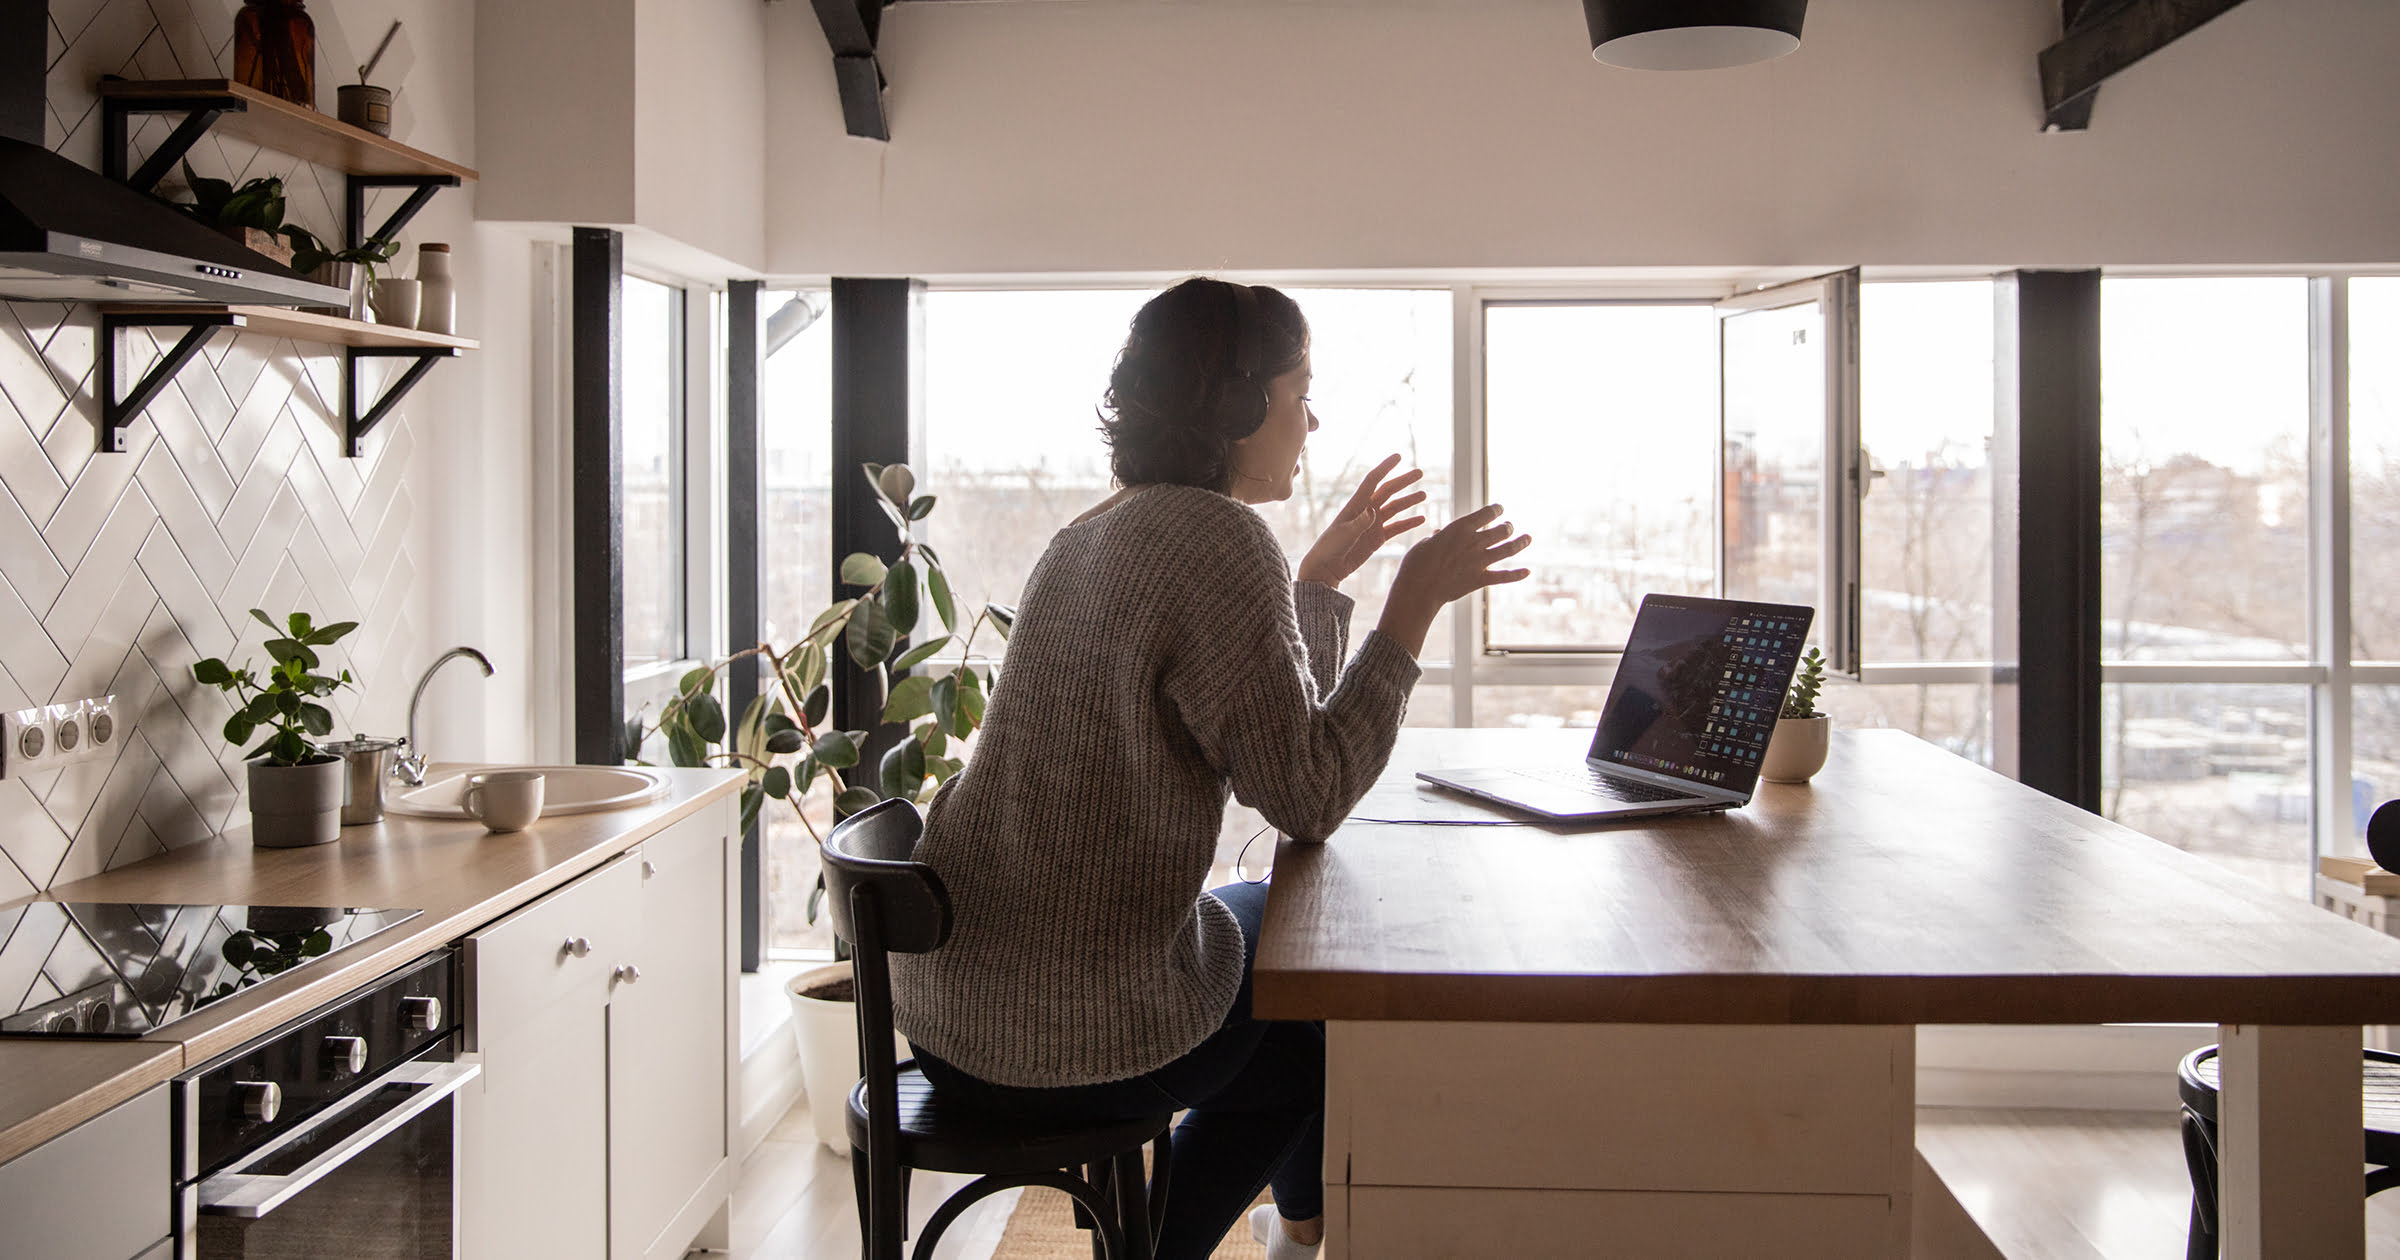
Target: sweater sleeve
pixel 1324 617
pixel 1300 754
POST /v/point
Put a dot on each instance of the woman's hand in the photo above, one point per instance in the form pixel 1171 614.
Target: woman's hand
pixel 1368 521
pixel 1456 560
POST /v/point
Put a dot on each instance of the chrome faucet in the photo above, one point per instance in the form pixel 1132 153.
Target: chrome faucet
pixel 409 767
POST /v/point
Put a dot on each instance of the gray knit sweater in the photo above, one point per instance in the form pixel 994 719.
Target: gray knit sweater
pixel 1161 653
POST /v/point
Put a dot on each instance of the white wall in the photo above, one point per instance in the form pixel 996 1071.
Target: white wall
pixel 554 108
pixel 700 127
pixel 1094 135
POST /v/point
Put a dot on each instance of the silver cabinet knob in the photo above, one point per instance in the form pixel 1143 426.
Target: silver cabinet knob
pixel 628 973
pixel 345 1056
pixel 579 946
pixel 420 1014
pixel 259 1101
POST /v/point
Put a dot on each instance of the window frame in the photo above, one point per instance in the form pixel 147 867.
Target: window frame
pixel 697 469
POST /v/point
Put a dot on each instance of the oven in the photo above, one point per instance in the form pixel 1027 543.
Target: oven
pixel 335 1135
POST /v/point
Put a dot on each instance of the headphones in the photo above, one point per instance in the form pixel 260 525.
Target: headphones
pixel 1241 396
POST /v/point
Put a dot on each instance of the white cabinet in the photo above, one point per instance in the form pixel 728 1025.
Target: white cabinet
pixel 603 1014
pixel 99 1191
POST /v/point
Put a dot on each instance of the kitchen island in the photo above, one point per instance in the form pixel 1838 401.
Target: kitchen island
pixel 1695 1036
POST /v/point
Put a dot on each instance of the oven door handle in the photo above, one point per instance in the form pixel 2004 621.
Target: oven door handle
pixel 237 1193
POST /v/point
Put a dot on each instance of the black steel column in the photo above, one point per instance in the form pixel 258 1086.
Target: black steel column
pixel 875 334
pixel 742 433
pixel 2046 532
pixel 596 346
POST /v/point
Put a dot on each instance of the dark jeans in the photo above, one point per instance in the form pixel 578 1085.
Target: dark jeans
pixel 1254 1094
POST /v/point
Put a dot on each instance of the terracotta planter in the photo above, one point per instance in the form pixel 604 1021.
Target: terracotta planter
pixel 1797 749
pixel 292 807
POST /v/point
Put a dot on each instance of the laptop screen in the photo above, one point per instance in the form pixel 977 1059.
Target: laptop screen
pixel 1696 694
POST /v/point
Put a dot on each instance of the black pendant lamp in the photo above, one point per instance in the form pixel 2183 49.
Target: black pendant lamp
pixel 1692 34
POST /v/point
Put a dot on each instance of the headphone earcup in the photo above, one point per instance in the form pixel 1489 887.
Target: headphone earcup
pixel 1241 407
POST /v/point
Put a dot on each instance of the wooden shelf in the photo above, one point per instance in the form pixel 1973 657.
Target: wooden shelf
pixel 308 326
pixel 283 126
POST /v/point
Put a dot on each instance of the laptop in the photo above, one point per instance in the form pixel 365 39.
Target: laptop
pixel 1686 722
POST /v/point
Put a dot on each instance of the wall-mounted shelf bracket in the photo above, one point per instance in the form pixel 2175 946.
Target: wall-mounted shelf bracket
pixel 118 410
pixel 357 424
pixel 355 211
pixel 116 131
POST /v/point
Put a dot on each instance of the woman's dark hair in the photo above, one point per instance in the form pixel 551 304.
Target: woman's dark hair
pixel 1177 402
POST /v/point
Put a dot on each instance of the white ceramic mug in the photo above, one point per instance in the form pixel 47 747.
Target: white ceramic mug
pixel 395 302
pixel 503 800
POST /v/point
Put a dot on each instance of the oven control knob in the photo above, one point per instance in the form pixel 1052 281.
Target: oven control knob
pixel 345 1056
pixel 259 1101
pixel 420 1014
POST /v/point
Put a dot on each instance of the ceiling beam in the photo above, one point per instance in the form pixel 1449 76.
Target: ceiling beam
pixel 2103 37
pixel 851 28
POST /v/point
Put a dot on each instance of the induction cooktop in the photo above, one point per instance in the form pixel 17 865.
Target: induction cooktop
pixel 111 969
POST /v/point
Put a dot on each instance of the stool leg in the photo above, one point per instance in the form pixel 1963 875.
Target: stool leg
pixel 2200 1159
pixel 1162 1162
pixel 1096 1175
pixel 1133 1208
pixel 866 1197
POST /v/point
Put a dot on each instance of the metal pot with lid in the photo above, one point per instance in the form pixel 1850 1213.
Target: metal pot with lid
pixel 366 762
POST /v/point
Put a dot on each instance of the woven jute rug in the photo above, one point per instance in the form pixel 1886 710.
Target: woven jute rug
pixel 1043 1228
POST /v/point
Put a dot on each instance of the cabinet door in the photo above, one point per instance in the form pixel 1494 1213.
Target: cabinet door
pixel 669 1045
pixel 99 1191
pixel 534 1137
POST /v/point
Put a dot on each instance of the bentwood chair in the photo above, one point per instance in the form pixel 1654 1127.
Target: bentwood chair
pixel 2197 1082
pixel 885 903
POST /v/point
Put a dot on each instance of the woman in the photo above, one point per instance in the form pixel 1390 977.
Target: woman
pixel 1162 654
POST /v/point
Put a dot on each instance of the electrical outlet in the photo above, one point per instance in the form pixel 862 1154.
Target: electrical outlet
pixel 27 743
pixel 55 736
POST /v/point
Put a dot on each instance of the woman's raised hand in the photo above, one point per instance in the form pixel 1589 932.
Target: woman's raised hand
pixel 1369 520
pixel 1455 560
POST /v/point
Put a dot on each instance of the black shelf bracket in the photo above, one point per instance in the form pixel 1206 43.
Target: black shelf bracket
pixel 118 410
pixel 116 134
pixel 357 424
pixel 355 211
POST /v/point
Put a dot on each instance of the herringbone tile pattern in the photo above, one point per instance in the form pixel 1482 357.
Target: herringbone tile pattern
pixel 118 572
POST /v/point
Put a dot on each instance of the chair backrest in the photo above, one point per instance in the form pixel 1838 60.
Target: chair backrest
pixel 881 902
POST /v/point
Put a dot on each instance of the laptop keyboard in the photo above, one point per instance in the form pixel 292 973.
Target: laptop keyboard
pixel 1607 785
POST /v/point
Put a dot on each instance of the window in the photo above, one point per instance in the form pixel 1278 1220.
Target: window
pixel 2375 468
pixel 653 473
pixel 2205 519
pixel 1600 437
pixel 795 538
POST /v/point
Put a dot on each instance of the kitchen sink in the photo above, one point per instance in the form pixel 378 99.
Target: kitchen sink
pixel 565 790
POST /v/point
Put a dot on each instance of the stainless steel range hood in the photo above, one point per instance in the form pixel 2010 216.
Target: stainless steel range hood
pixel 69 234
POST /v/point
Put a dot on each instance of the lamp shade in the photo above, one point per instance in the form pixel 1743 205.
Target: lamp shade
pixel 1692 34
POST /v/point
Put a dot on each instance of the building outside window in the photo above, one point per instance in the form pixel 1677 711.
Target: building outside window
pixel 653 473
pixel 795 549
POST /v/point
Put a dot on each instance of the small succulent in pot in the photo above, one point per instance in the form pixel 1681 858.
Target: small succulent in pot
pixel 1807 682
pixel 1797 748
pixel 295 787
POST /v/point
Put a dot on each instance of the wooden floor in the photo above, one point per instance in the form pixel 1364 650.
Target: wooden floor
pixel 2044 1185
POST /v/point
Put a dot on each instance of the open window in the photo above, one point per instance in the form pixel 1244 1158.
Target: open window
pixel 1788 506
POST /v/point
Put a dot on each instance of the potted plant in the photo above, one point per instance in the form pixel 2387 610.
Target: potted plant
pixel 788 746
pixel 295 787
pixel 251 214
pixel 1802 735
pixel 351 269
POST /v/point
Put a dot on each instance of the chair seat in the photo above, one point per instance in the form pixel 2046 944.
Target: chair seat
pixel 2200 1078
pixel 942 1135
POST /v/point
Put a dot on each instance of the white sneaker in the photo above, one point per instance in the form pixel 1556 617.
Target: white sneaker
pixel 1267 1228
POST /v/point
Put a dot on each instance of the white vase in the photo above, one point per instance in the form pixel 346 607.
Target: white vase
pixel 437 305
pixel 1797 749
pixel 828 1033
pixel 395 302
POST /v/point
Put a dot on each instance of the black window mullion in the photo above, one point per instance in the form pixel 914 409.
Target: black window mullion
pixel 742 498
pixel 596 350
pixel 875 336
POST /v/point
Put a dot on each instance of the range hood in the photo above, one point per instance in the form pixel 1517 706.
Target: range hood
pixel 68 234
pixel 71 234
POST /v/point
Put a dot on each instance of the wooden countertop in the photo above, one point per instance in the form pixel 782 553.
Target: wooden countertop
pixel 1903 886
pixel 460 876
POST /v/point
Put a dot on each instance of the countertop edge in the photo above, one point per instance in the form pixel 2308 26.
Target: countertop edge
pixel 178 1049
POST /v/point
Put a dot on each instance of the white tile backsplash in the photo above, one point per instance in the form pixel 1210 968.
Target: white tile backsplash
pixel 118 572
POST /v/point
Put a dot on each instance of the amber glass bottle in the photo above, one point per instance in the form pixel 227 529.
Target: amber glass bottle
pixel 275 50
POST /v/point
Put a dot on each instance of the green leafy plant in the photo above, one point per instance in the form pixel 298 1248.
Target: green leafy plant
pixel 309 253
pixel 256 955
pixel 284 699
pixel 257 203
pixel 785 739
pixel 1801 700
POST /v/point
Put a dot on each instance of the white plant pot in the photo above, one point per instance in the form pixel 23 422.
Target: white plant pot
pixel 828 1033
pixel 1797 749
